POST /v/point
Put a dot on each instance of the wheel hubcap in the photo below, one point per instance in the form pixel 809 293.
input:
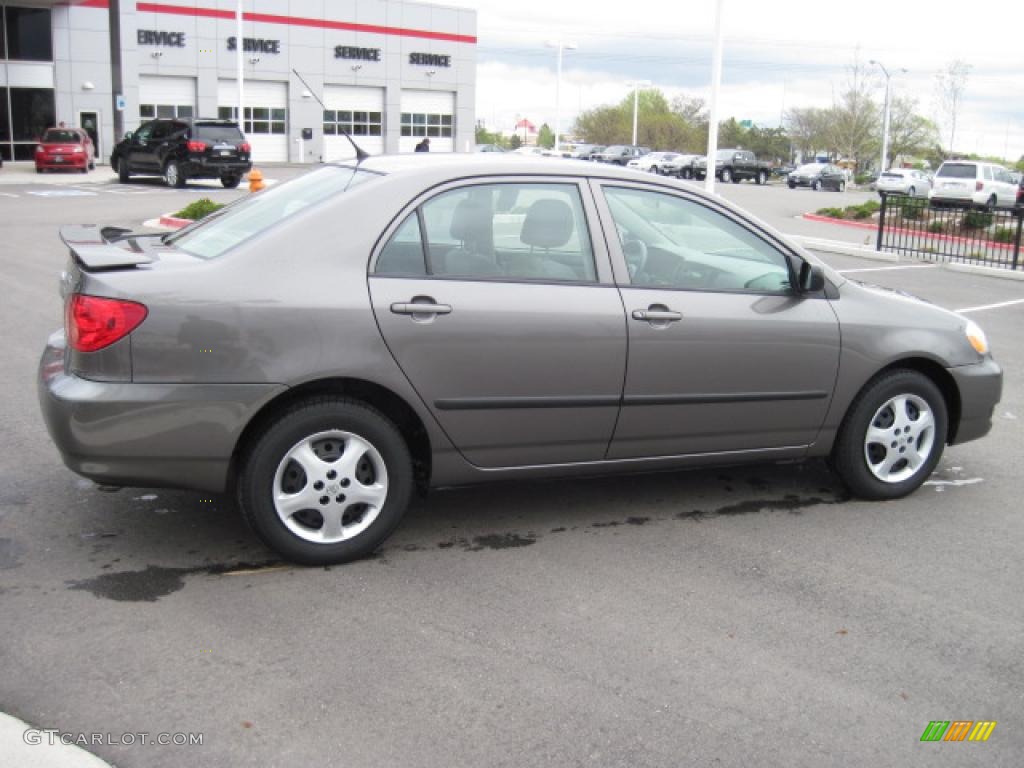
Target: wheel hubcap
pixel 172 174
pixel 900 438
pixel 330 487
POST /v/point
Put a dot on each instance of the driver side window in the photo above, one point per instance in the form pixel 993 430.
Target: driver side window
pixel 670 242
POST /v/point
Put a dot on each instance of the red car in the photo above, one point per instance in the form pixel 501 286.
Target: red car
pixel 65 148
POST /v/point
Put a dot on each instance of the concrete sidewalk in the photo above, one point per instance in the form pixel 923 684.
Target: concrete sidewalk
pixel 22 746
pixel 24 172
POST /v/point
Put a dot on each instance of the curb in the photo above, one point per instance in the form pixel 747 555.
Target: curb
pixel 844 249
pixel 20 750
pixel 977 269
pixel 840 222
pixel 173 222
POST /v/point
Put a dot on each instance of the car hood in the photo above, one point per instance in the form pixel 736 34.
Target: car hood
pixel 50 147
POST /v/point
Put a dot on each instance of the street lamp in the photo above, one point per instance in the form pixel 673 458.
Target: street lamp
pixel 636 102
pixel 560 45
pixel 885 117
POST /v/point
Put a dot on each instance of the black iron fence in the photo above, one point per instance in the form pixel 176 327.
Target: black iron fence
pixel 971 235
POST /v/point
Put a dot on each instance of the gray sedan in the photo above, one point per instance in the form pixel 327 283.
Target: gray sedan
pixel 324 348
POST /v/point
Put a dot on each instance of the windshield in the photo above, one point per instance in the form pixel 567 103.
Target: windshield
pixel 958 170
pixel 725 154
pixel 810 168
pixel 216 234
pixel 60 137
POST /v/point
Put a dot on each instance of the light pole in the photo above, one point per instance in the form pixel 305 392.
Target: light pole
pixel 885 115
pixel 560 45
pixel 636 103
pixel 716 83
pixel 240 43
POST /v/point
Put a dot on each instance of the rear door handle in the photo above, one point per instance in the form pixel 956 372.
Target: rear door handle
pixel 420 308
pixel 657 315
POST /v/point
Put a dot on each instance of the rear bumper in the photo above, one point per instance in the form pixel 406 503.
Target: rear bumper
pixel 204 168
pixel 980 387
pixel 152 435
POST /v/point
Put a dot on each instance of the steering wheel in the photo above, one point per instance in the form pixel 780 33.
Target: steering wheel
pixel 635 252
pixel 691 275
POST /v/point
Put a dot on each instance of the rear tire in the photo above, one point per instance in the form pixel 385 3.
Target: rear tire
pixel 791 185
pixel 726 175
pixel 892 436
pixel 686 174
pixel 841 187
pixel 121 166
pixel 340 448
pixel 762 178
pixel 816 186
pixel 230 182
pixel 173 177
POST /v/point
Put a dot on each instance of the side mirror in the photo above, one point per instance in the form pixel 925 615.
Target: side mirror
pixel 812 278
pixel 128 135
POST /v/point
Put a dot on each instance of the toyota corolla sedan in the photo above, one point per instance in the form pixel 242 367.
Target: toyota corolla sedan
pixel 325 348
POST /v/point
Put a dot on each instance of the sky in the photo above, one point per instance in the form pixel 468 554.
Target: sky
pixel 778 54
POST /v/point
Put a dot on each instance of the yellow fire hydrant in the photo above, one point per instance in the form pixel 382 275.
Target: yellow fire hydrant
pixel 255 180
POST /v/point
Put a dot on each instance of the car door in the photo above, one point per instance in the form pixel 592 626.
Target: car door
pixel 723 354
pixel 501 310
pixel 138 147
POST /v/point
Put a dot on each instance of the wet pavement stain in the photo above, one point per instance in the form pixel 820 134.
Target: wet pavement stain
pixel 637 520
pixel 789 503
pixel 154 582
pixel 10 554
pixel 501 541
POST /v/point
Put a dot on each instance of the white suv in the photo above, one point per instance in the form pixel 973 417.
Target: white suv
pixel 966 181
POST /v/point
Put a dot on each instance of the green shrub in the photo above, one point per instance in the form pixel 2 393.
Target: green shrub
pixel 862 178
pixel 834 213
pixel 198 209
pixel 977 220
pixel 1004 235
pixel 937 227
pixel 871 205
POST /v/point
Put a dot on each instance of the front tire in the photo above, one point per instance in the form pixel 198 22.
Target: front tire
pixel 326 482
pixel 841 187
pixel 762 178
pixel 726 175
pixel 121 166
pixel 816 186
pixel 686 174
pixel 173 177
pixel 892 437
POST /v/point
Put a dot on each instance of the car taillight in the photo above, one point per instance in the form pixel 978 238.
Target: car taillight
pixel 94 322
pixel 244 147
pixel 196 146
pixel 978 186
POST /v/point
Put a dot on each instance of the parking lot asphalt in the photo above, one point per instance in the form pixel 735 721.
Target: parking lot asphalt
pixel 733 617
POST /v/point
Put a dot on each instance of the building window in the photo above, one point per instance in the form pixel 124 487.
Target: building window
pixel 269 120
pixel 27 34
pixel 419 124
pixel 149 111
pixel 341 121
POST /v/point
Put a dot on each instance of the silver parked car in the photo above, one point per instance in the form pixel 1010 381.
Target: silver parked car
pixel 904 181
pixel 325 347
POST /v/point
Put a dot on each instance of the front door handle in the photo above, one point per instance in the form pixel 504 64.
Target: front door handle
pixel 657 315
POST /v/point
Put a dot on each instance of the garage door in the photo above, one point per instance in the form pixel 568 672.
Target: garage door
pixel 428 114
pixel 161 96
pixel 360 111
pixel 266 116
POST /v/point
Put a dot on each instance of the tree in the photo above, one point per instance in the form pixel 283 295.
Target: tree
pixel 515 142
pixel 483 136
pixel 909 132
pixel 807 128
pixel 950 84
pixel 659 125
pixel 545 137
pixel 853 129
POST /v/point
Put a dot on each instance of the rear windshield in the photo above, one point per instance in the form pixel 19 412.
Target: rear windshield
pixel 892 175
pixel 61 137
pixel 213 236
pixel 810 168
pixel 217 132
pixel 958 170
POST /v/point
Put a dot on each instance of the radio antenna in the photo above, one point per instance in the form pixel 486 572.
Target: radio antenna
pixel 361 154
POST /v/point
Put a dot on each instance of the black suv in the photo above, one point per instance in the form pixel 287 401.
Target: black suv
pixel 184 148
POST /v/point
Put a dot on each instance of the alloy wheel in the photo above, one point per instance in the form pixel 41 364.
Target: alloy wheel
pixel 900 438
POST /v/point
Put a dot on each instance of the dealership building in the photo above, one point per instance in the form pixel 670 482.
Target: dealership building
pixel 388 72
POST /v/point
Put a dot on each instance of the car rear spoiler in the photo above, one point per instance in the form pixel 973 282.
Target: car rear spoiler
pixel 94 248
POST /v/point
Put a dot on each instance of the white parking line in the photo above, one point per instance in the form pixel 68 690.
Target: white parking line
pixel 983 307
pixel 886 269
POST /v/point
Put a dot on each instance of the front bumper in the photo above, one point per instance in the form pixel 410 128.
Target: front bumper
pixel 981 387
pixel 65 161
pixel 151 435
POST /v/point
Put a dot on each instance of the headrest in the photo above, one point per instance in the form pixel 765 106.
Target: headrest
pixel 470 221
pixel 548 224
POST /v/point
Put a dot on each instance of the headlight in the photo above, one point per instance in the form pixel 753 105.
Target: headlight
pixel 976 336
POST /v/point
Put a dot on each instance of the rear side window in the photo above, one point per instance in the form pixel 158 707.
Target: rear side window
pixel 403 255
pixel 958 170
pixel 217 132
